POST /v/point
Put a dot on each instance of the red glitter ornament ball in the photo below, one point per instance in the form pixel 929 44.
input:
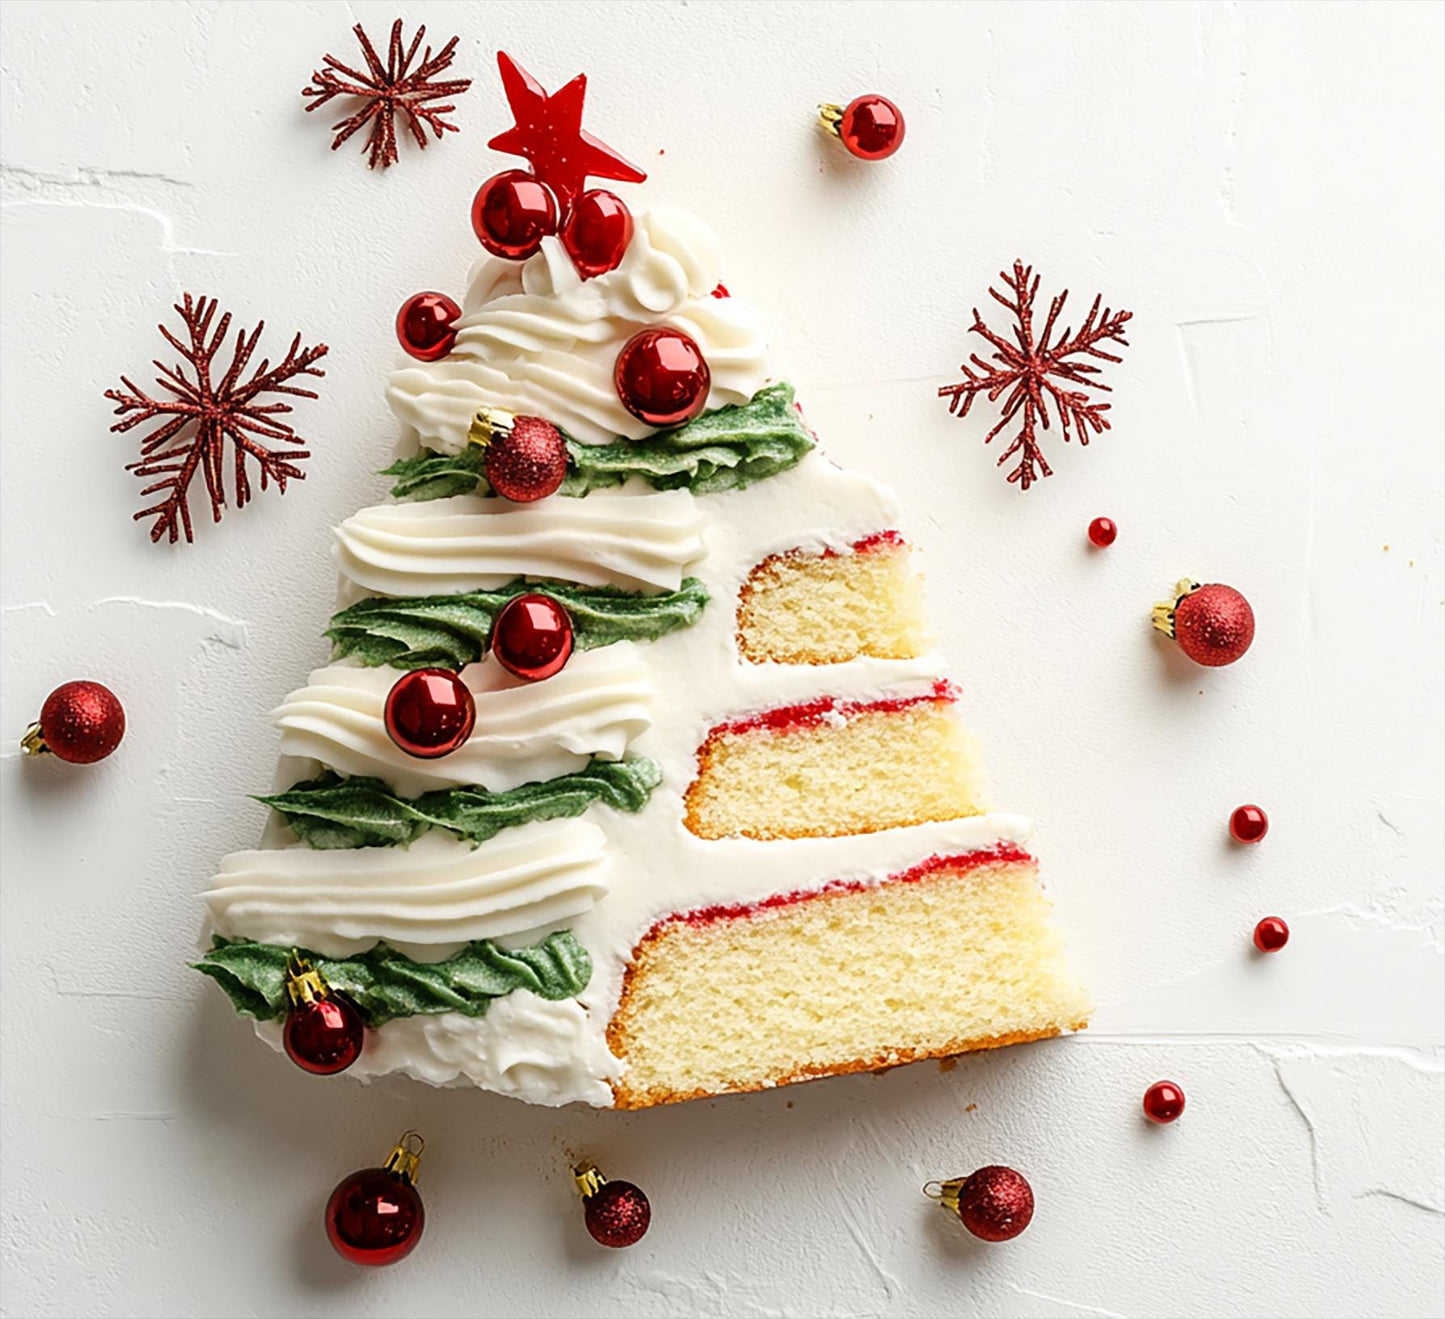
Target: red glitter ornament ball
pixel 324 1037
pixel 424 325
pixel 526 457
pixel 1213 625
pixel 1271 934
pixel 532 637
pixel 375 1216
pixel 617 1214
pixel 1163 1102
pixel 995 1203
pixel 662 377
pixel 1102 532
pixel 429 713
pixel 1248 824
pixel 81 722
pixel 597 232
pixel 871 127
pixel 511 214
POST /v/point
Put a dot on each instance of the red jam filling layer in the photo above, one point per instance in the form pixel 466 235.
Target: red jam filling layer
pixel 812 713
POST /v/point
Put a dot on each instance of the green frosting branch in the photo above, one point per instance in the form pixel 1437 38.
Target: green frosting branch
pixel 384 984
pixel 450 631
pixel 722 450
pixel 331 811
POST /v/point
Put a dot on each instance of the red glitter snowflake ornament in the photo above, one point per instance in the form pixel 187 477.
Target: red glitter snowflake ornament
pixel 387 90
pixel 219 410
pixel 1029 372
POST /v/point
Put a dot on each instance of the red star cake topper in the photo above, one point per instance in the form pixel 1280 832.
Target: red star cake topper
pixel 548 132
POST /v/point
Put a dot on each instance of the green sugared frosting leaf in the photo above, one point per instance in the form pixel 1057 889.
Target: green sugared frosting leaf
pixel 384 984
pixel 722 450
pixel 450 631
pixel 331 811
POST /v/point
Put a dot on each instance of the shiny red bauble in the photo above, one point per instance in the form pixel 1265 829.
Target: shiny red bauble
pixel 532 637
pixel 1248 824
pixel 617 1214
pixel 374 1216
pixel 995 1203
pixel 597 232
pixel 81 722
pixel 1102 532
pixel 429 713
pixel 662 377
pixel 871 127
pixel 512 213
pixel 324 1037
pixel 526 459
pixel 1213 625
pixel 424 325
pixel 1271 934
pixel 1163 1102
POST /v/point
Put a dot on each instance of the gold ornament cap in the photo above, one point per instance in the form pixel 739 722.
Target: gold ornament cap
pixel 405 1155
pixel 589 1180
pixel 1164 610
pixel 831 117
pixel 32 744
pixel 490 424
pixel 304 983
pixel 945 1193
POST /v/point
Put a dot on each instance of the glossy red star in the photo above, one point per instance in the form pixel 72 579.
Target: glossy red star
pixel 548 132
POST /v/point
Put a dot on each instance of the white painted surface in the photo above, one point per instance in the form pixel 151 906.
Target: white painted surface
pixel 1261 185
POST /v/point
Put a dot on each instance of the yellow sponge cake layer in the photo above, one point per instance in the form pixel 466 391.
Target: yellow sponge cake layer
pixel 955 955
pixel 831 768
pixel 826 608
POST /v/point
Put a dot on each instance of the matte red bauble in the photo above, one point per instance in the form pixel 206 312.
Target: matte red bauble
pixel 511 214
pixel 525 457
pixel 1163 1102
pixel 532 637
pixel 597 232
pixel 81 722
pixel 375 1216
pixel 662 377
pixel 1214 625
pixel 424 326
pixel 429 713
pixel 324 1032
pixel 995 1203
pixel 617 1213
pixel 871 127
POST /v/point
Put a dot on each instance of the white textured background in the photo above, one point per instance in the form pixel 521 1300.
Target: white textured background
pixel 1262 185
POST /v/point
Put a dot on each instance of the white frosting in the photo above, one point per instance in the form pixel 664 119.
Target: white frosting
pixel 535 338
pixel 524 731
pixel 426 900
pixel 467 543
pixel 540 1051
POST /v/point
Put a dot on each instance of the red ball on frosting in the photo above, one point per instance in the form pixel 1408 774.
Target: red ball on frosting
pixel 325 1036
pixel 526 459
pixel 429 713
pixel 597 232
pixel 996 1203
pixel 511 214
pixel 662 377
pixel 424 325
pixel 532 637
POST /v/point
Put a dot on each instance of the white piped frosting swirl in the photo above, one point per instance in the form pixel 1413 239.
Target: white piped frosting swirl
pixel 537 339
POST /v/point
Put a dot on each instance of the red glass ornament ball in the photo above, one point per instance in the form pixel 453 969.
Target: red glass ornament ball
pixel 429 713
pixel 511 214
pixel 424 325
pixel 374 1217
pixel 1248 824
pixel 82 722
pixel 1163 1102
pixel 1214 625
pixel 662 377
pixel 617 1215
pixel 528 461
pixel 872 127
pixel 324 1037
pixel 1102 532
pixel 996 1203
pixel 597 232
pixel 1271 934
pixel 532 638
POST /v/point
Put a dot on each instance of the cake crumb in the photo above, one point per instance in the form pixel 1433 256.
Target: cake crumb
pixel 947 1064
pixel 970 1108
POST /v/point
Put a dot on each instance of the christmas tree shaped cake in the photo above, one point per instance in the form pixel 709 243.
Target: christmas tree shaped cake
pixel 633 776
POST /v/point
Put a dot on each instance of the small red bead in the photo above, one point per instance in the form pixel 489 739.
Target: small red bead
pixel 617 1214
pixel 424 325
pixel 662 377
pixel 429 713
pixel 374 1217
pixel 324 1037
pixel 872 127
pixel 1248 824
pixel 597 232
pixel 532 637
pixel 511 214
pixel 527 461
pixel 81 722
pixel 720 292
pixel 1163 1102
pixel 1271 934
pixel 996 1203
pixel 1102 532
